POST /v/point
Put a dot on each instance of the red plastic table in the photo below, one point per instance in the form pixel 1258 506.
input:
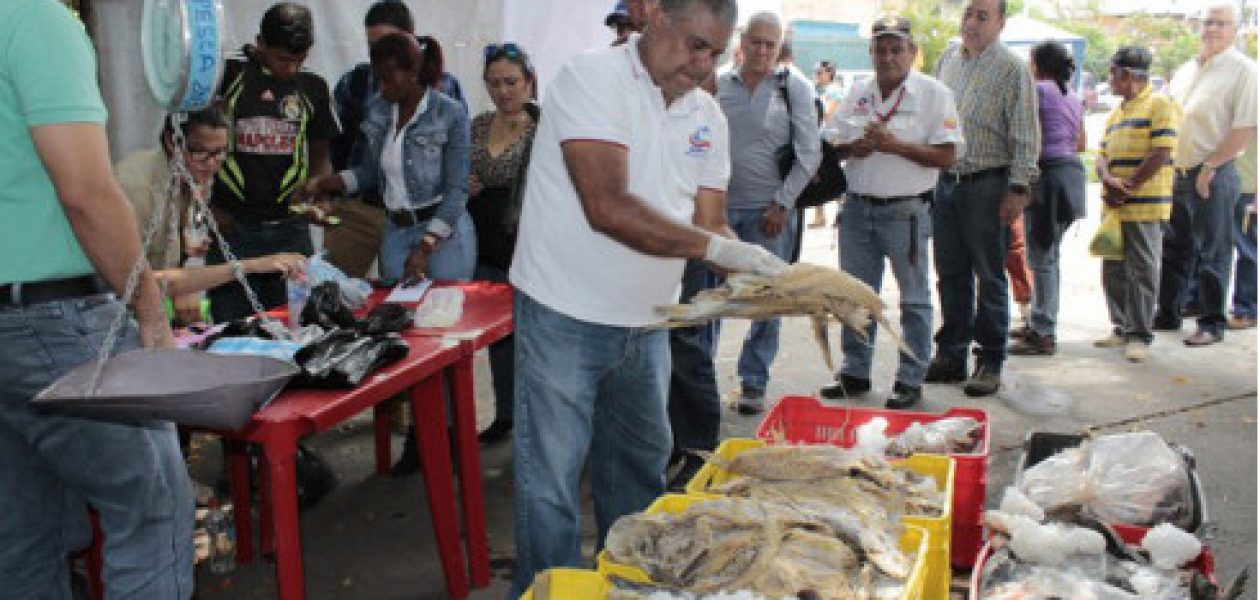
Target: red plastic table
pixel 436 354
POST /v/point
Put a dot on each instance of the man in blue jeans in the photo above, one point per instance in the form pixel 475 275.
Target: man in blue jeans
pixel 1242 315
pixel 626 180
pixel 980 196
pixel 67 240
pixel 1217 94
pixel 762 199
pixel 897 131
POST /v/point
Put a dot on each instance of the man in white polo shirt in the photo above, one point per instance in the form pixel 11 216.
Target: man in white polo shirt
pixel 898 131
pixel 1217 94
pixel 627 179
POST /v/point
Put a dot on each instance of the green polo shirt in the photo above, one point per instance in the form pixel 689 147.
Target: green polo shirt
pixel 47 76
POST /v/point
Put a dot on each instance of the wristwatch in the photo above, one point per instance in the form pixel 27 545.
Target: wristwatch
pixel 1019 188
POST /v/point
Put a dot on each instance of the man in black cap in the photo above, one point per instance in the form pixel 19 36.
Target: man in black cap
pixel 897 131
pixel 1135 167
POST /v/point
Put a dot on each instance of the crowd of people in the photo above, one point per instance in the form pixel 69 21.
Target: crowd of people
pixel 646 172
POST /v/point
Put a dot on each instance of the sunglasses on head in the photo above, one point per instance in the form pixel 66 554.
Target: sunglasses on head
pixel 508 49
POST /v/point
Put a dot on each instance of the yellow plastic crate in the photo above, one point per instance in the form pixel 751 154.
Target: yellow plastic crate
pixel 939 468
pixel 574 584
pixel 915 539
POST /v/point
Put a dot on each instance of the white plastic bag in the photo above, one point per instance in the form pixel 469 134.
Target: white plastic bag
pixel 442 307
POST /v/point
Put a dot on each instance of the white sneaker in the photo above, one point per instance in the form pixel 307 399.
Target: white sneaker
pixel 1135 351
pixel 1115 340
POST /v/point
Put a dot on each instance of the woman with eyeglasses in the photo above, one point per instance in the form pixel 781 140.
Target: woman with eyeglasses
pixel 501 140
pixel 418 158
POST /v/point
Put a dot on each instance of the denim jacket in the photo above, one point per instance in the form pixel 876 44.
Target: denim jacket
pixel 436 157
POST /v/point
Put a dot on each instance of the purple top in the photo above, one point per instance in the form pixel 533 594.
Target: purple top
pixel 1060 117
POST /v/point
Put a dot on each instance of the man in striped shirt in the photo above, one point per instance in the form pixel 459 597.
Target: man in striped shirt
pixel 978 199
pixel 1135 167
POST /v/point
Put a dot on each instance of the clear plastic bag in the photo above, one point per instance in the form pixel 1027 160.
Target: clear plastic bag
pixel 442 307
pixel 946 436
pixel 354 292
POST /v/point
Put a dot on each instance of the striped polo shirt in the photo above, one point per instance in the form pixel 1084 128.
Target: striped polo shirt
pixel 1134 129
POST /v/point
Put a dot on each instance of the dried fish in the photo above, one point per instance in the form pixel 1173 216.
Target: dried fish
pixel 812 290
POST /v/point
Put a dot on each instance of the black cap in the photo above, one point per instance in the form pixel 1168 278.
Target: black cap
pixel 891 25
pixel 620 15
pixel 1135 59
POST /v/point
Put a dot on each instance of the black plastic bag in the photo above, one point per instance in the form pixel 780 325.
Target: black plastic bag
pixel 326 308
pixel 343 358
pixel 387 318
pixel 315 477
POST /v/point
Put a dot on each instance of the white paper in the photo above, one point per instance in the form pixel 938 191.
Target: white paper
pixel 409 294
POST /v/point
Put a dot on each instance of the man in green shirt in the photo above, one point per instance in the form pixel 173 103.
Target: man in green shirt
pixel 67 240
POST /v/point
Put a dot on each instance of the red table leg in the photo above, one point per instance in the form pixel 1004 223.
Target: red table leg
pixel 238 485
pixel 281 453
pixel 95 559
pixel 463 394
pixel 266 516
pixel 428 416
pixel 383 420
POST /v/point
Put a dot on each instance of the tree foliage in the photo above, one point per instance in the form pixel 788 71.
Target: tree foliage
pixel 934 24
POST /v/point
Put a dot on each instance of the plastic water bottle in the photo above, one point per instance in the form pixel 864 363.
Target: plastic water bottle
pixel 299 289
pixel 222 534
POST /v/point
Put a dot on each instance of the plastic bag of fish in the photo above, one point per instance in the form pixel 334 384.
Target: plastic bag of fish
pixel 951 435
pixel 1132 478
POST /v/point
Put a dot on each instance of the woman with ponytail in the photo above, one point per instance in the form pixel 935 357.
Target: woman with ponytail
pixel 418 158
pixel 1059 196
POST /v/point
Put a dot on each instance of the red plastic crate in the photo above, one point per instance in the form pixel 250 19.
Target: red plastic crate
pixel 805 420
pixel 1205 563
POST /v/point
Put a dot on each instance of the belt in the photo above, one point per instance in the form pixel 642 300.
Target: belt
pixel 1193 171
pixel 975 175
pixel 410 217
pixel 35 292
pixel 885 201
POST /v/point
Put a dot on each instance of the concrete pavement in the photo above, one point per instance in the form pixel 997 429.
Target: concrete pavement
pixel 372 538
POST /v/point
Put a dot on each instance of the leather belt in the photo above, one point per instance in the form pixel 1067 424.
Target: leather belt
pixel 975 175
pixel 885 201
pixel 35 292
pixel 411 217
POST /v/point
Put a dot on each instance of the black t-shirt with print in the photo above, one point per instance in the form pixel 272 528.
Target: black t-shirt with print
pixel 272 122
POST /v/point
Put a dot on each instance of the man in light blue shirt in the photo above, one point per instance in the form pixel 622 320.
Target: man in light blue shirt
pixel 761 198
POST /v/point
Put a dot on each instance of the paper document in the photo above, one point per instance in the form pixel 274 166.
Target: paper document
pixel 409 294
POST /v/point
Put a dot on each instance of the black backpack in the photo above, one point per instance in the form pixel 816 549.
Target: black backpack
pixel 829 180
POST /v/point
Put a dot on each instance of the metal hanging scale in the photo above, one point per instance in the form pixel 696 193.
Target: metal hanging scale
pixel 182 45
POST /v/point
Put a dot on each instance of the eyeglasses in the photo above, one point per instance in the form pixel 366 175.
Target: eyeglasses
pixel 203 155
pixel 508 49
pixel 1219 23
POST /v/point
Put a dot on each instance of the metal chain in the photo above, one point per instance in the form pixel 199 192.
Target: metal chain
pixel 178 175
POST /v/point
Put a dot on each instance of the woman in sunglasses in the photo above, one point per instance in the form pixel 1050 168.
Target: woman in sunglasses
pixel 418 158
pixel 501 140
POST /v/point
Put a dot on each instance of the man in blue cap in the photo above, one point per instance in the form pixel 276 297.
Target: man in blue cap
pixel 619 21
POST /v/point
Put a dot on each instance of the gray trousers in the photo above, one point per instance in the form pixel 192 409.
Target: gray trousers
pixel 1132 284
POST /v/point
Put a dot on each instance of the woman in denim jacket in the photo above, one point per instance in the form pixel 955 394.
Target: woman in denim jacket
pixel 418 155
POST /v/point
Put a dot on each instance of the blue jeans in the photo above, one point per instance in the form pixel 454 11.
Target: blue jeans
pixel 1245 266
pixel 970 244
pixel 251 240
pixel 1213 242
pixel 762 342
pixel 1044 263
pixel 583 388
pixel 695 406
pixel 502 355
pixel 52 468
pixel 455 258
pixel 899 232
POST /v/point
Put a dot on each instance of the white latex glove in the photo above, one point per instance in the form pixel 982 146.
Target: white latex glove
pixel 742 257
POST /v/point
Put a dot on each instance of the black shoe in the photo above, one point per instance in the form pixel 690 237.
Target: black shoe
pixel 984 382
pixel 690 466
pixel 1021 332
pixel 904 396
pixel 409 463
pixel 946 370
pixel 1034 344
pixel 751 402
pixel 847 386
pixel 499 430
